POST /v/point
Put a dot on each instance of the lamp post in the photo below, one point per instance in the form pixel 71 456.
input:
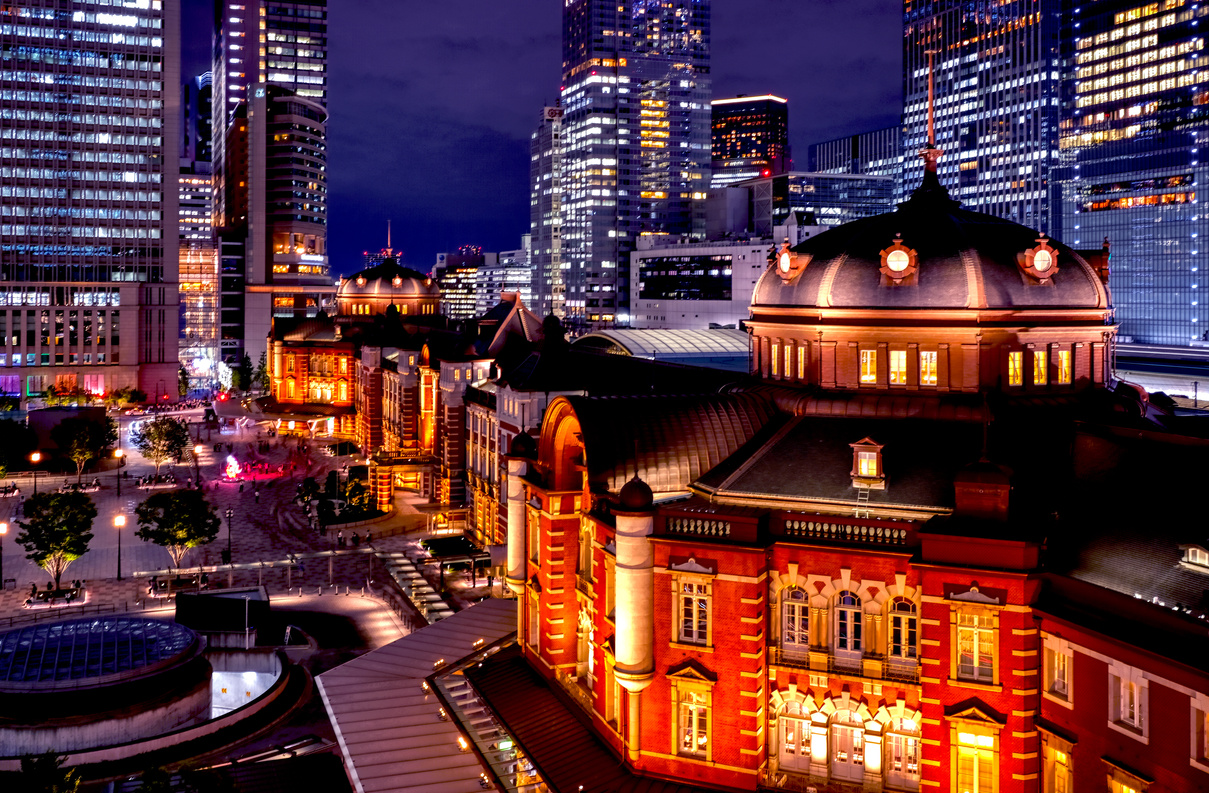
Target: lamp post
pixel 118 453
pixel 197 450
pixel 230 514
pixel 119 522
pixel 35 458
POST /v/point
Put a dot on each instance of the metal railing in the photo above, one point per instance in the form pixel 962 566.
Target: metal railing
pixel 900 670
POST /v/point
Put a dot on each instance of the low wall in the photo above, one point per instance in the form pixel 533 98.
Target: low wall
pixel 355 524
pixel 126 750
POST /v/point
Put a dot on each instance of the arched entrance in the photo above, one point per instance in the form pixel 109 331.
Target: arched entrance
pixel 793 739
pixel 847 746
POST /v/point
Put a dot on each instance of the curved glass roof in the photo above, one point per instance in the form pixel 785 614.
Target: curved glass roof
pixel 88 648
pixel 666 343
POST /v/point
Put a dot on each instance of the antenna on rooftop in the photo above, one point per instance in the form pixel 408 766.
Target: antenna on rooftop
pixel 388 235
pixel 931 154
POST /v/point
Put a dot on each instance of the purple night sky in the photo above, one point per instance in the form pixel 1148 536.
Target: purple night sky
pixel 432 103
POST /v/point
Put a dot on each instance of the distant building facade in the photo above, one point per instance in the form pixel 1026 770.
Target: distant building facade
pixel 816 199
pixel 876 153
pixel 545 214
pixel 457 275
pixel 512 272
pixel 750 138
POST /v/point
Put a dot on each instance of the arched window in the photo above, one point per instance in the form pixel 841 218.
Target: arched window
pixel 793 734
pixel 902 754
pixel 795 622
pixel 903 629
pixel 847 746
pixel 343 391
pixel 847 622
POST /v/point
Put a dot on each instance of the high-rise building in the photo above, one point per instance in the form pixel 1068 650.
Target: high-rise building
pixel 457 275
pixel 750 138
pixel 199 284
pixel 815 199
pixel 197 114
pixel 997 78
pixel 511 272
pixel 635 141
pixel 88 234
pixel 545 214
pixel 875 153
pixel 1130 159
pixel 269 147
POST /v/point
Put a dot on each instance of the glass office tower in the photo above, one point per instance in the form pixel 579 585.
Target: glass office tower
pixel 997 68
pixel 548 284
pixel 88 188
pixel 750 138
pixel 1138 113
pixel 636 141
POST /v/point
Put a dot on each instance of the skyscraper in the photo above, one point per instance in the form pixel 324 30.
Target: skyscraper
pixel 874 153
pixel 88 235
pixel 635 135
pixel 997 70
pixel 199 287
pixel 270 182
pixel 545 214
pixel 750 138
pixel 1131 163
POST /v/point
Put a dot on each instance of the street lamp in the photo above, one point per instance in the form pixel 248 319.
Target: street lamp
pixel 34 458
pixel 119 521
pixel 118 453
pixel 197 450
pixel 230 514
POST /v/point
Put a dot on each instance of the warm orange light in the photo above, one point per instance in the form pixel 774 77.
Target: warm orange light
pixel 118 453
pixel 119 521
pixel 35 457
pixel 3 529
pixel 197 449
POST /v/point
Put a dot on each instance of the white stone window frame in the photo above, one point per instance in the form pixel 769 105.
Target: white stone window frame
pixel 1118 675
pixel 706 579
pixel 1057 646
pixel 1199 755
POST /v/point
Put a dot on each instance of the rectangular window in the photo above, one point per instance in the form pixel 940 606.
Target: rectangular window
pixel 898 367
pixel 1057 768
pixel 1063 361
pixel 692 723
pixel 1200 729
pixel 868 366
pixel 801 363
pixel 534 537
pixel 534 624
pixel 975 762
pixel 775 359
pixel 694 612
pixel 1015 368
pixel 1057 672
pixel 975 647
pixel 1127 699
pixel 866 464
pixel 927 367
pixel 1040 367
pixel 789 360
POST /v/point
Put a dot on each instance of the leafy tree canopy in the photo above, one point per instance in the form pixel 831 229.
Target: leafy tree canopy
pixel 81 440
pixel 160 439
pixel 177 520
pixel 57 530
pixel 44 773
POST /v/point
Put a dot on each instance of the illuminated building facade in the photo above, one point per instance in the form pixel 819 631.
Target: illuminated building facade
pixel 815 199
pixel 997 73
pixel 457 275
pixel 199 280
pixel 750 138
pixel 635 141
pixel 1130 162
pixel 545 213
pixel 512 272
pixel 876 153
pixel 89 233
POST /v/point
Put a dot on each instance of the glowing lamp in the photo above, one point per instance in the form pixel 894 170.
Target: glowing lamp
pixel 898 261
pixel 35 457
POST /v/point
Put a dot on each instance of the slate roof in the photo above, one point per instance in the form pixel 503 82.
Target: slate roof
pixel 379 282
pixel 810 459
pixel 965 259
pixel 567 754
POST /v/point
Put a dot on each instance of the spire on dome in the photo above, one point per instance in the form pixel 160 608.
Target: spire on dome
pixel 931 154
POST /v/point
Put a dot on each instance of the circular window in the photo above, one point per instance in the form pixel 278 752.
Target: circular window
pixel 898 261
pixel 784 261
pixel 1042 260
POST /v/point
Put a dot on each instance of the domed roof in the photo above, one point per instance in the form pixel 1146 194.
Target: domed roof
pixel 636 496
pixel 388 279
pixel 961 259
pixel 523 446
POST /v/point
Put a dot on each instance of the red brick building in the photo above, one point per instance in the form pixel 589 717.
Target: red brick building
pixel 928 548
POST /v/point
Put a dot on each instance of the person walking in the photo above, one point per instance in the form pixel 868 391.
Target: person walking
pixel 356 540
pixel 340 539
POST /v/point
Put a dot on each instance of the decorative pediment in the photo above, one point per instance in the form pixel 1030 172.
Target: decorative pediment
pixel 691 565
pixel 972 595
pixel 692 670
pixel 974 711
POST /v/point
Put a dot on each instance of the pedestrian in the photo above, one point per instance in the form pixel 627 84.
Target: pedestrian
pixel 369 536
pixel 340 539
pixel 356 540
pixel 241 487
pixel 256 495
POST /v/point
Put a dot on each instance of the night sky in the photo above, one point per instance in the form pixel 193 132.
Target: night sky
pixel 432 103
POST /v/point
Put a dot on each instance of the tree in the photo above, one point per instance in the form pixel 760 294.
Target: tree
pixel 160 439
pixel 182 381
pixel 57 530
pixel 44 773
pixel 177 520
pixel 241 376
pixel 81 440
pixel 261 376
pixel 357 495
pixel 308 491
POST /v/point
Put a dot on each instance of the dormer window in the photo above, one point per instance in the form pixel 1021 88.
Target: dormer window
pixel 1195 558
pixel 898 263
pixel 867 470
